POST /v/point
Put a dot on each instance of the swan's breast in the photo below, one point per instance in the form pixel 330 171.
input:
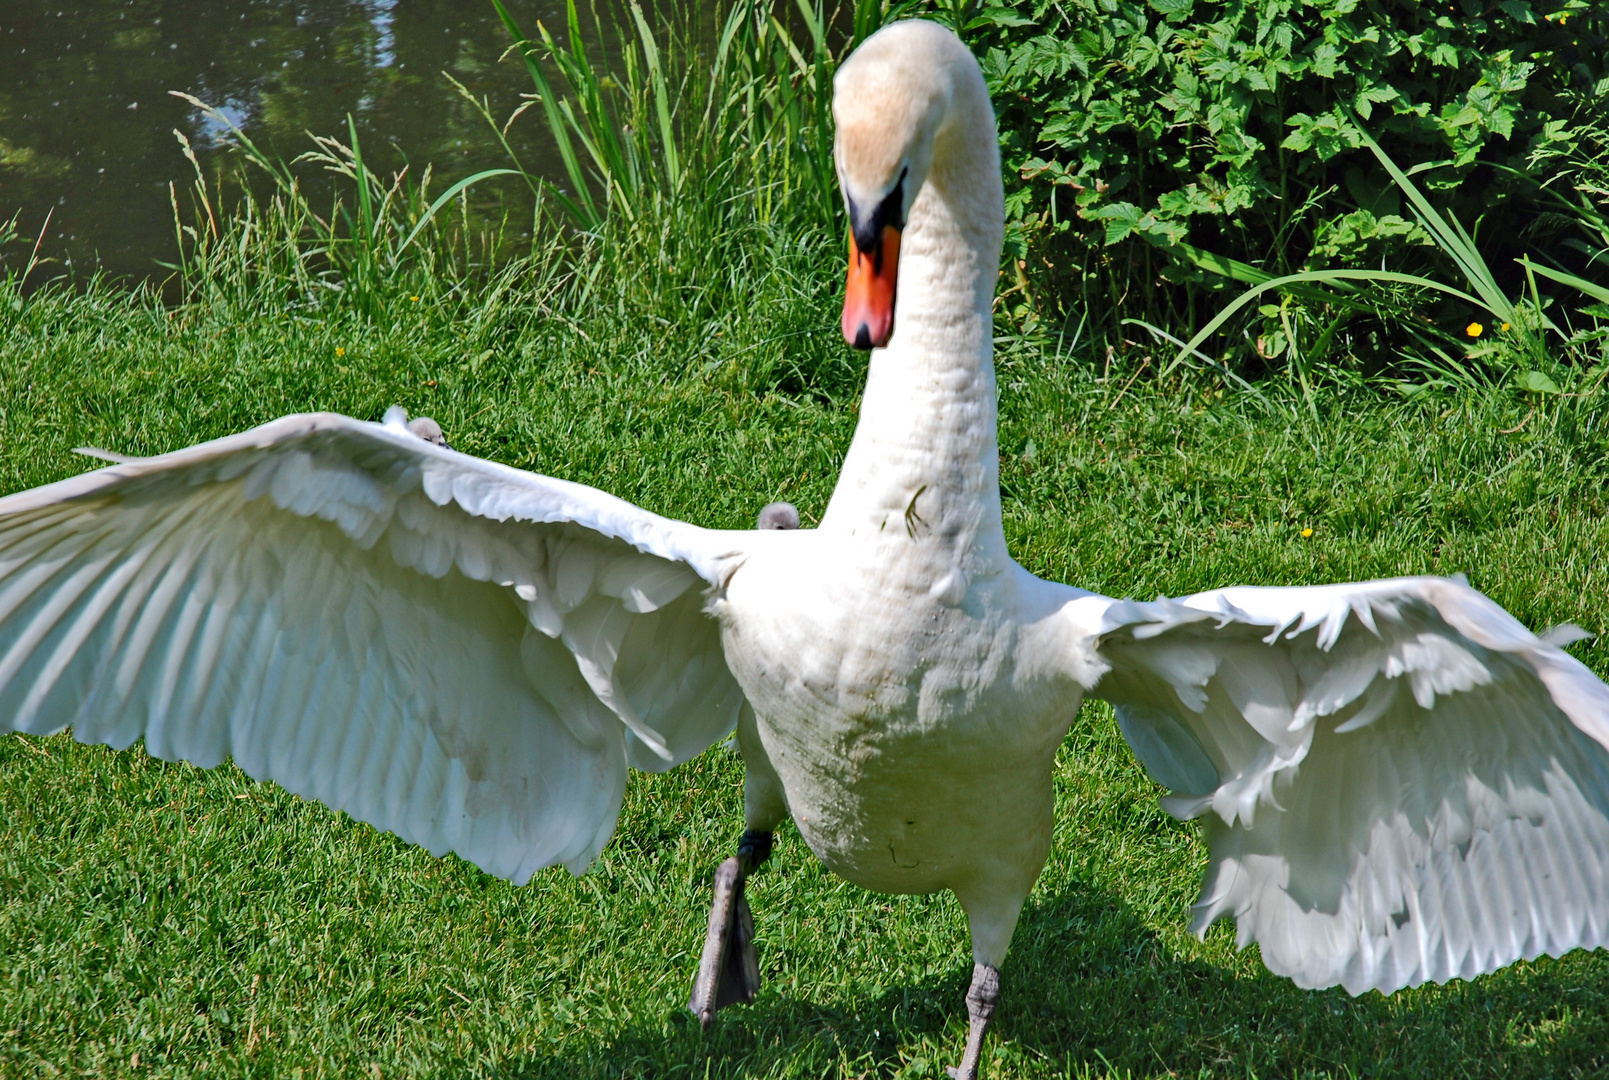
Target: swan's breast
pixel 906 733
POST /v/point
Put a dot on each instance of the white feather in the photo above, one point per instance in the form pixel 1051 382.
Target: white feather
pixel 321 599
pixel 1437 805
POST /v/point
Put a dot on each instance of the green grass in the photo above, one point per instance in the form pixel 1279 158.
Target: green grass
pixel 220 927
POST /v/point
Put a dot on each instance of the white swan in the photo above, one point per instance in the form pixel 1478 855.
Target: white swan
pixel 1398 782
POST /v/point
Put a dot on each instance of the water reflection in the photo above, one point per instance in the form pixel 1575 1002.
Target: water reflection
pixel 86 123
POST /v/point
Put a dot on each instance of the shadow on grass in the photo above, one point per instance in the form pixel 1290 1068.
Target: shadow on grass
pixel 1090 987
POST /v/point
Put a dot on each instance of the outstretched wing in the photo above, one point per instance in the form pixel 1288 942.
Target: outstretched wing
pixel 1399 782
pixel 459 652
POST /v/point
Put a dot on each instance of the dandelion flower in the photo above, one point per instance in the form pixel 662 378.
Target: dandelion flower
pixel 1307 532
pixel 1474 329
pixel 339 351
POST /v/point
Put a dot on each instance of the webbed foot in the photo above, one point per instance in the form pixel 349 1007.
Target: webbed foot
pixel 982 998
pixel 729 969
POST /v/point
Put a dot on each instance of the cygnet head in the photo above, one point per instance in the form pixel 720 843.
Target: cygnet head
pixel 778 515
pixel 428 430
pixel 899 99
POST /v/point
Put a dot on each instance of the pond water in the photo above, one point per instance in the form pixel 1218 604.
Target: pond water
pixel 86 120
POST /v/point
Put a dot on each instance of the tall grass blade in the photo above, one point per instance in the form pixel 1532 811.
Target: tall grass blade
pixel 580 207
pixel 363 237
pixel 365 197
pixel 656 76
pixel 445 197
pixel 1247 274
pixel 33 256
pixel 723 51
pixel 868 20
pixel 589 119
pixel 1451 237
pixel 1311 277
pixel 813 24
pixel 1597 292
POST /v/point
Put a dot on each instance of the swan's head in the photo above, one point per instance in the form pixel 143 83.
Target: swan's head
pixel 890 102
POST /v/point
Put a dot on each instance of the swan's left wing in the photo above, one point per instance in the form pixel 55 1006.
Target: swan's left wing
pixel 462 653
pixel 1399 783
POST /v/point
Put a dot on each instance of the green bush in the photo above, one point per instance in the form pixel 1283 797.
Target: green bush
pixel 1139 135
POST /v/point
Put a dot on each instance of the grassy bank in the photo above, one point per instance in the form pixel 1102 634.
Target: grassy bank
pixel 210 924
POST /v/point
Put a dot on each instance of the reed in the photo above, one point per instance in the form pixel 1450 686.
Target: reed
pixel 734 123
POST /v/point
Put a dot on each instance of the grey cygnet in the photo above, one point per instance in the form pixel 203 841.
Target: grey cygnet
pixel 778 515
pixel 428 430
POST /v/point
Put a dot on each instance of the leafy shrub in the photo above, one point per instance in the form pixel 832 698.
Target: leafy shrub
pixel 1140 135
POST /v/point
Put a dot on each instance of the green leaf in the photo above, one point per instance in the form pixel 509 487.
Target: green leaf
pixel 1538 383
pixel 1349 236
pixel 1518 10
pixel 1444 55
pixel 998 16
pixel 1172 10
pixel 1121 220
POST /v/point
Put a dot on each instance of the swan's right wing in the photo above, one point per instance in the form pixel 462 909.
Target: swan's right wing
pixel 459 652
pixel 1398 782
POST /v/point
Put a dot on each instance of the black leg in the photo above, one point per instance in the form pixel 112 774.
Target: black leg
pixel 754 849
pixel 729 970
pixel 981 1000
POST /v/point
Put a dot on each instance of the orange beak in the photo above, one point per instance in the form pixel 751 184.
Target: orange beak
pixel 869 299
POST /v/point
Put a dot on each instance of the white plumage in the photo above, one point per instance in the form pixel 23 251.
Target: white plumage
pixel 459 652
pixel 1398 782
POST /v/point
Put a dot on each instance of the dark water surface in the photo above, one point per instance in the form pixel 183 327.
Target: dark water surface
pixel 86 120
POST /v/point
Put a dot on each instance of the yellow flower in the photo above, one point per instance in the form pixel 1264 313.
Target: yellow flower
pixel 339 351
pixel 415 299
pixel 1504 328
pixel 1306 533
pixel 1474 329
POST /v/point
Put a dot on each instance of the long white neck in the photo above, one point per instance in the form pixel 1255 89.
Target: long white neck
pixel 924 463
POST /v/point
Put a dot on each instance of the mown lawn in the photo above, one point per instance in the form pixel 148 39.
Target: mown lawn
pixel 156 920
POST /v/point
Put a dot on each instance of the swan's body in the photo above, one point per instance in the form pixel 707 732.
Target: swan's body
pixel 1398 782
pixel 881 704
